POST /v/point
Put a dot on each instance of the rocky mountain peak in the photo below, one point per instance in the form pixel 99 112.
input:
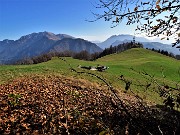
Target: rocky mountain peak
pixel 35 44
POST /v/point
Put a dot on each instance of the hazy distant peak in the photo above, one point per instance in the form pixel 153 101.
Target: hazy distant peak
pixel 120 38
pixel 123 38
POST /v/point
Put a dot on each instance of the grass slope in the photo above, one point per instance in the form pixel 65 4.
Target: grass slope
pixel 142 60
pixel 120 64
pixel 163 68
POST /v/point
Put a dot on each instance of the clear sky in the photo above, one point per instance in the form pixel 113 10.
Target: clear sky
pixel 22 17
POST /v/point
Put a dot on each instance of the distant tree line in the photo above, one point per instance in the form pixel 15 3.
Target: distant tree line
pixel 165 53
pixel 119 48
pixel 43 58
pixel 83 55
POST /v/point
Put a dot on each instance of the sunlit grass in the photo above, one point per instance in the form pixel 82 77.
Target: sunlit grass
pixel 163 68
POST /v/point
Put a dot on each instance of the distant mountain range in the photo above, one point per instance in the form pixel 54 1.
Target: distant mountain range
pixel 43 42
pixel 119 39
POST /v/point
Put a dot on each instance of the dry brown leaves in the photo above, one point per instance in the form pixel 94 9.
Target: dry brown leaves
pixel 54 105
pixel 59 105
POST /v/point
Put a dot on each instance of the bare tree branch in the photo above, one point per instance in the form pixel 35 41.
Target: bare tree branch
pixel 154 18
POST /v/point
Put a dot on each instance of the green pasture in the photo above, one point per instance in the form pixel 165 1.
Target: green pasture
pixel 163 69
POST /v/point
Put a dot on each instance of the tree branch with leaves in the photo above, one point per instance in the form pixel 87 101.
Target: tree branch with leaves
pixel 153 17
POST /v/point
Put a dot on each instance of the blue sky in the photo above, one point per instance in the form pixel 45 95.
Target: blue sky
pixel 21 17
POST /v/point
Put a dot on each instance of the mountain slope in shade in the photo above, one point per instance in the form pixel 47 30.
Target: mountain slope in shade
pixel 38 43
pixel 116 40
pixel 75 45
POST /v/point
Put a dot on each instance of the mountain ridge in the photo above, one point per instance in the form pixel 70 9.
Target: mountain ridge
pixel 35 44
pixel 115 40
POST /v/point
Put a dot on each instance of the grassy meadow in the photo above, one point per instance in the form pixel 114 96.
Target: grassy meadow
pixel 164 69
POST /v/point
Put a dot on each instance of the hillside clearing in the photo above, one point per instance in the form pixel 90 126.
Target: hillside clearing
pixel 140 60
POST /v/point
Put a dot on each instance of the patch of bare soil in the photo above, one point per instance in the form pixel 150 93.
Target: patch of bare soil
pixel 59 105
